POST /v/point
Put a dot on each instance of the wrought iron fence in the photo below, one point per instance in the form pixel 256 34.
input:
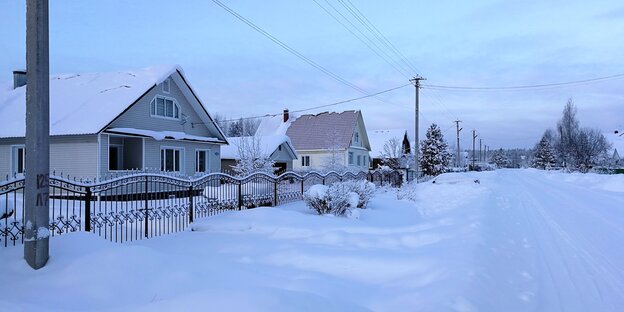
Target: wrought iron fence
pixel 145 205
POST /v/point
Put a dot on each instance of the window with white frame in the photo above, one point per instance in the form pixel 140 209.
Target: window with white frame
pixel 165 107
pixel 18 159
pixel 202 160
pixel 350 158
pixel 166 86
pixel 305 161
pixel 356 137
pixel 359 160
pixel 170 159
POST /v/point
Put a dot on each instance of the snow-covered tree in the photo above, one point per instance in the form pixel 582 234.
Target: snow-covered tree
pixel 590 149
pixel 544 156
pixel 434 154
pixel 394 156
pixel 500 159
pixel 251 157
pixel 335 160
pixel 568 129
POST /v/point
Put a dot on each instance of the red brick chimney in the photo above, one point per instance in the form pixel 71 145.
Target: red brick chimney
pixel 286 115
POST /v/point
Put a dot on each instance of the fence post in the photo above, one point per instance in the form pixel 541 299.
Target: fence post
pixel 302 187
pixel 191 203
pixel 87 211
pixel 275 193
pixel 323 180
pixel 146 203
pixel 240 194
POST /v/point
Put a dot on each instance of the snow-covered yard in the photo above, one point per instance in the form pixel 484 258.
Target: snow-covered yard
pixel 520 240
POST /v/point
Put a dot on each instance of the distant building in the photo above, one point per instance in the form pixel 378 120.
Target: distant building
pixel 277 148
pixel 379 138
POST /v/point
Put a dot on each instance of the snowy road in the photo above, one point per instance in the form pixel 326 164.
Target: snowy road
pixel 520 240
pixel 550 245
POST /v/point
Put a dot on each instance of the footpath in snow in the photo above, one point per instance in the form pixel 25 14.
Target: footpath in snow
pixel 520 240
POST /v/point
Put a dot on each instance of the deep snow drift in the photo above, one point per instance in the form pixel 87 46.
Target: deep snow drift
pixel 520 240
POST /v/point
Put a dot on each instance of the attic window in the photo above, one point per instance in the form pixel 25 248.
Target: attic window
pixel 357 137
pixel 164 107
pixel 166 85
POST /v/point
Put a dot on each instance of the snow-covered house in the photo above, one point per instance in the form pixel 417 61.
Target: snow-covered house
pixel 106 122
pixel 379 138
pixel 617 143
pixel 277 148
pixel 323 139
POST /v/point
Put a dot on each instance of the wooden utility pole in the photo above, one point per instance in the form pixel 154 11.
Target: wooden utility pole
pixel 37 170
pixel 458 160
pixel 416 81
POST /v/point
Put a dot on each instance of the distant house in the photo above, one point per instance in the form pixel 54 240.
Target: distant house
pixel 323 138
pixel 379 138
pixel 108 122
pixel 277 147
pixel 617 143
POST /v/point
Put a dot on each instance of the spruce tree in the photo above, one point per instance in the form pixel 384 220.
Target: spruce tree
pixel 500 159
pixel 434 155
pixel 544 157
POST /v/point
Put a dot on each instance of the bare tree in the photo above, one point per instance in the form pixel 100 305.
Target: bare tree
pixel 394 156
pixel 237 128
pixel 568 129
pixel 590 149
pixel 251 157
pixel 335 160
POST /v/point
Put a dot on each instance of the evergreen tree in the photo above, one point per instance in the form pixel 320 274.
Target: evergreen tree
pixel 544 157
pixel 500 159
pixel 434 155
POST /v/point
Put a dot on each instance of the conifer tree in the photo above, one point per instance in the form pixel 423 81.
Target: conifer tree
pixel 544 157
pixel 434 155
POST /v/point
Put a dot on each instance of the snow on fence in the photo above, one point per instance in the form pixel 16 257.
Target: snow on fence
pixel 144 205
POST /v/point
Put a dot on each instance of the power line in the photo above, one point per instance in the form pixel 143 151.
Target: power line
pixel 322 106
pixel 524 87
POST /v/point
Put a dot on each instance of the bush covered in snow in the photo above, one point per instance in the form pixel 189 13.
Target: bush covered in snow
pixel 338 198
pixel 363 188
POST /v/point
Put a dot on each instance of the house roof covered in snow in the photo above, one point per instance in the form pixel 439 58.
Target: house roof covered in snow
pixel 268 144
pixel 617 142
pixel 378 139
pixel 326 130
pixel 87 103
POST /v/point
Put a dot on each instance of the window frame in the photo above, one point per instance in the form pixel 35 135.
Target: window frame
pixel 350 158
pixel 176 111
pixel 15 158
pixel 206 160
pixel 167 83
pixel 163 158
pixel 305 161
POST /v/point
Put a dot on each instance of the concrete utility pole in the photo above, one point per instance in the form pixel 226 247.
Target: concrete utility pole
pixel 474 137
pixel 416 81
pixel 480 149
pixel 36 190
pixel 458 160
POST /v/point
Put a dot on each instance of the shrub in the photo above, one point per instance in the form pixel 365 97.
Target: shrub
pixel 363 188
pixel 336 199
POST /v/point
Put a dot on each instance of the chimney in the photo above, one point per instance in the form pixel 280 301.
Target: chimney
pixel 19 78
pixel 286 115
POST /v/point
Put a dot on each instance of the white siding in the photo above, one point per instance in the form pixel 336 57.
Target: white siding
pixel 152 154
pixel 75 156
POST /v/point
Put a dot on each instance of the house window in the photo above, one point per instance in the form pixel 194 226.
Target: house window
pixel 115 157
pixel 202 160
pixel 350 158
pixel 279 148
pixel 357 137
pixel 166 85
pixel 305 161
pixel 18 159
pixel 170 159
pixel 165 107
pixel 359 160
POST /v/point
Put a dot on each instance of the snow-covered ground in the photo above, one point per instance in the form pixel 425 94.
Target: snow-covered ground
pixel 519 240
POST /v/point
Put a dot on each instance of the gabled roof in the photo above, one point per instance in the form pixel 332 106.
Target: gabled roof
pixel 378 139
pixel 268 145
pixel 325 130
pixel 617 143
pixel 87 103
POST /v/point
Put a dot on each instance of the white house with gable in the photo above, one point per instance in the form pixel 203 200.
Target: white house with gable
pixel 100 123
pixel 323 138
pixel 277 148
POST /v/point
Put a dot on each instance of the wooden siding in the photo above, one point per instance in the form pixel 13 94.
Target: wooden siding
pixel 152 154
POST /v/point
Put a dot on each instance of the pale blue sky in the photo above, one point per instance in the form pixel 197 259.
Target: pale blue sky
pixel 238 72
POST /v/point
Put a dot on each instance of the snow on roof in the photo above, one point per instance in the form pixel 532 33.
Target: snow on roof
pixel 617 142
pixel 161 135
pixel 378 139
pixel 323 131
pixel 272 125
pixel 268 145
pixel 82 103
